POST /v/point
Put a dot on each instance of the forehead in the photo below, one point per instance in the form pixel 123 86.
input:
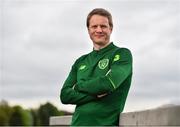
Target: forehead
pixel 98 19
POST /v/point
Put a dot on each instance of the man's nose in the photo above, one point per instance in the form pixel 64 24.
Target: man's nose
pixel 99 29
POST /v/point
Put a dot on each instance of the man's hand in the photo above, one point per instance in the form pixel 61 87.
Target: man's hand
pixel 101 95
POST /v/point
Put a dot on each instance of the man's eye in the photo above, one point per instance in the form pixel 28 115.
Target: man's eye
pixel 103 26
pixel 94 27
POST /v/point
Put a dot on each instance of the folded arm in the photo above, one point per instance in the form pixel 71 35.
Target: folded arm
pixel 70 96
pixel 121 68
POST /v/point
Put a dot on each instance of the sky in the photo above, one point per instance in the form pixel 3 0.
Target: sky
pixel 41 39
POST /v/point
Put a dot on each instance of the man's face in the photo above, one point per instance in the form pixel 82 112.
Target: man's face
pixel 99 30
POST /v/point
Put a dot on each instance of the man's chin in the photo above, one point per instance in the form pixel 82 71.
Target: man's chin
pixel 100 42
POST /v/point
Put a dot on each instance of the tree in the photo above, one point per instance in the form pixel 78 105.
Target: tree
pixel 3 118
pixel 17 116
pixel 45 111
pixel 35 116
pixel 27 117
pixel 20 117
pixel 5 113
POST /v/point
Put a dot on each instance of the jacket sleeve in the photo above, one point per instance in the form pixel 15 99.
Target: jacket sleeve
pixel 121 68
pixel 70 96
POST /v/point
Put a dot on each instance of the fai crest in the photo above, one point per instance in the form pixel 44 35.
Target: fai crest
pixel 103 63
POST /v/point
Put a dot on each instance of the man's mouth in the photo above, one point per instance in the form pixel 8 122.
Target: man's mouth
pixel 99 36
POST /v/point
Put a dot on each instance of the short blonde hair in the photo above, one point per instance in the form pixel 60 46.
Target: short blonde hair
pixel 101 12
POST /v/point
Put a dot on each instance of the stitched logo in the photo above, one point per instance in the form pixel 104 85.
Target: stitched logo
pixel 82 67
pixel 116 58
pixel 103 63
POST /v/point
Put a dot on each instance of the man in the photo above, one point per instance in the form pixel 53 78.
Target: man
pixel 98 82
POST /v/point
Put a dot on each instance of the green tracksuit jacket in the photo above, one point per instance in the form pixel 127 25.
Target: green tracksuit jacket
pixel 108 70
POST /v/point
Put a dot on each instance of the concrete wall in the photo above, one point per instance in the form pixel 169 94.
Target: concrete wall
pixel 160 117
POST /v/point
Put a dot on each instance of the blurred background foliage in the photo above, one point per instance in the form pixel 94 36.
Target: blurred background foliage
pixel 17 116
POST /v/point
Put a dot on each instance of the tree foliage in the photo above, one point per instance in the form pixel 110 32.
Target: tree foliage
pixel 5 112
pixel 17 116
pixel 45 111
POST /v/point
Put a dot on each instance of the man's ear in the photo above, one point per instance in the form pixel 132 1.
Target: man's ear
pixel 88 30
pixel 111 29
